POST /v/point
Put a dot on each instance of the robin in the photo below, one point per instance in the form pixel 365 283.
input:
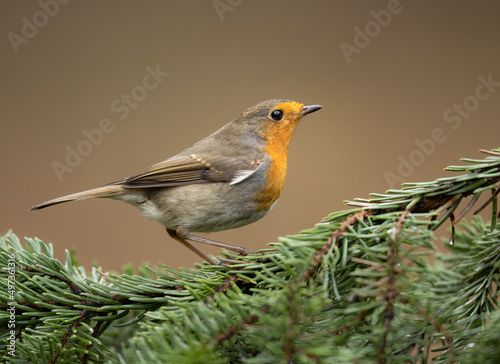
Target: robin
pixel 231 178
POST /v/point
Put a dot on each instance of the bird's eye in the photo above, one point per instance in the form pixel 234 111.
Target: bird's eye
pixel 277 115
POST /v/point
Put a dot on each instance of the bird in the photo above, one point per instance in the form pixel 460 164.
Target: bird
pixel 229 179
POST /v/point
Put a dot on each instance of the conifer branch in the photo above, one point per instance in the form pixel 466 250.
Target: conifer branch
pixel 357 287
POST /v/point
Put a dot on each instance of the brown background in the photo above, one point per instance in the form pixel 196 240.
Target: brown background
pixel 395 90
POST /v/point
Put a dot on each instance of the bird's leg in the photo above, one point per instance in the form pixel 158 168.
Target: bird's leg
pixel 183 232
pixel 183 241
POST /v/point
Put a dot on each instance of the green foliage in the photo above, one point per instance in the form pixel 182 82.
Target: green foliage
pixel 359 287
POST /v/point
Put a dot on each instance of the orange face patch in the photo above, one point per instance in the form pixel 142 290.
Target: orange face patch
pixel 282 130
pixel 290 108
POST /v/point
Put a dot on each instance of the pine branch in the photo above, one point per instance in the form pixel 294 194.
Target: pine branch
pixel 358 287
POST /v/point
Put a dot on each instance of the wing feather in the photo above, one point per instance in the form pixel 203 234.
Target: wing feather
pixel 182 170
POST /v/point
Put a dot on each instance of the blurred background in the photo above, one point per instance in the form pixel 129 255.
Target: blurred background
pixel 408 87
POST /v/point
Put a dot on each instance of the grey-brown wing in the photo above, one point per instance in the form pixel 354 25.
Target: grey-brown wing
pixel 182 170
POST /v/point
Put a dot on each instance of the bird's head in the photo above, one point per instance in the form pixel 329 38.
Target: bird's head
pixel 275 120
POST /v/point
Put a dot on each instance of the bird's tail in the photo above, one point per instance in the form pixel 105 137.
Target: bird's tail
pixel 104 191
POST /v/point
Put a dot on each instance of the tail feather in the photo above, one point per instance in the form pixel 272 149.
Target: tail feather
pixel 104 191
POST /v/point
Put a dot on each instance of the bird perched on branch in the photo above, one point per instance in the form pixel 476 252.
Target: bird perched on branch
pixel 231 178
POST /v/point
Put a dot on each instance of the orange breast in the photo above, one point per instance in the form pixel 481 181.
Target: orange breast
pixel 278 139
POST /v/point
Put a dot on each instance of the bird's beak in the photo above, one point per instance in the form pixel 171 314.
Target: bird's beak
pixel 309 109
